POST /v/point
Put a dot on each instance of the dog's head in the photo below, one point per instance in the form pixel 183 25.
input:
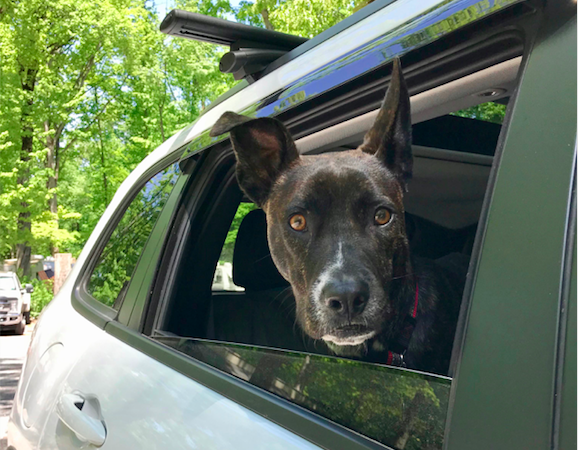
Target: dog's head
pixel 335 222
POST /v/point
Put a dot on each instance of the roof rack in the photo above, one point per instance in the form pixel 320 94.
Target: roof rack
pixel 252 49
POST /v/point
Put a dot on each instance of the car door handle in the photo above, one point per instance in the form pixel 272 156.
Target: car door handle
pixel 82 415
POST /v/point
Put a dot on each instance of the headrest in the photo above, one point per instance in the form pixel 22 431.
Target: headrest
pixel 253 266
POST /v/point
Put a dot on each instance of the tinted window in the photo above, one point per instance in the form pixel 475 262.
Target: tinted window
pixel 487 112
pixel 113 272
pixel 471 130
pixel 223 279
pixel 399 408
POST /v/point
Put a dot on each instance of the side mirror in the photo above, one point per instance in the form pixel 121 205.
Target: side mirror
pixel 29 289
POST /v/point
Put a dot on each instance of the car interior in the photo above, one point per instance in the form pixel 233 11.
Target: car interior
pixel 453 158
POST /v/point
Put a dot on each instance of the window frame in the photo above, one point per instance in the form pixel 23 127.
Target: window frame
pixel 535 423
pixel 327 433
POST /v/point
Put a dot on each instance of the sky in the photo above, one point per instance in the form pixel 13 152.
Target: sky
pixel 164 6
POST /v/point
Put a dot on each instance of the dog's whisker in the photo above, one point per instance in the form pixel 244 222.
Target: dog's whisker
pixel 403 276
pixel 261 259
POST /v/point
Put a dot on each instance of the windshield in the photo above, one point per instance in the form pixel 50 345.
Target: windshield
pixel 7 284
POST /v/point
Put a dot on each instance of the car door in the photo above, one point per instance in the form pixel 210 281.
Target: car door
pixel 115 396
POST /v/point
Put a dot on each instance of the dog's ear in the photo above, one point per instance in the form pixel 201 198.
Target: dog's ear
pixel 389 138
pixel 264 149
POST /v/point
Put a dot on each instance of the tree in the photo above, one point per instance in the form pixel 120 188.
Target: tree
pixel 56 53
pixel 305 18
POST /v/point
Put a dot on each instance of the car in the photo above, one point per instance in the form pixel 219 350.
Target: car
pixel 14 303
pixel 165 360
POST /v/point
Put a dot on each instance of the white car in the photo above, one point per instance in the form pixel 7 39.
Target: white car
pixel 137 351
pixel 14 303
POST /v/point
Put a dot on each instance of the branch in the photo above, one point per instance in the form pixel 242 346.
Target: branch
pixel 95 117
pixel 266 21
pixel 86 69
pixel 39 139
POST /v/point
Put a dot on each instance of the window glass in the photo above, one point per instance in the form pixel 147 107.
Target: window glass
pixel 399 408
pixel 7 284
pixel 223 279
pixel 112 274
pixel 488 112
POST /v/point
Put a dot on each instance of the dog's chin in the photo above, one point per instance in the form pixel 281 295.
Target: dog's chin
pixel 349 336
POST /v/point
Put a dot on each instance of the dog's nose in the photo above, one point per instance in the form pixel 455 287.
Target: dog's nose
pixel 345 297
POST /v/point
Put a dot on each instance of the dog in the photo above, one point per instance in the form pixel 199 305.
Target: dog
pixel 336 231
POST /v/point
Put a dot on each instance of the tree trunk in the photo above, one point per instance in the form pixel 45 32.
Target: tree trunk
pixel 268 24
pixel 161 122
pixel 103 164
pixel 408 421
pixel 23 251
pixel 102 157
pixel 52 163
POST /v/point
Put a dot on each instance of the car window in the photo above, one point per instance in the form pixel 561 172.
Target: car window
pixel 229 307
pixel 223 279
pixel 111 276
pixel 400 408
pixel 488 112
pixel 7 283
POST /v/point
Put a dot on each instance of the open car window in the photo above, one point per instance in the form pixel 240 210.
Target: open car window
pixel 231 309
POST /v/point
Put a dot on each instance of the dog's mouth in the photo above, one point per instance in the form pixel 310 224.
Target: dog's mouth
pixel 349 335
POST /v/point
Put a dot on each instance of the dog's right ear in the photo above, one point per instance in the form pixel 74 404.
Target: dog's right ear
pixel 264 149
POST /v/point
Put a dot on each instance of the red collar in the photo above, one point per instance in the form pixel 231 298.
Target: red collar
pixel 397 359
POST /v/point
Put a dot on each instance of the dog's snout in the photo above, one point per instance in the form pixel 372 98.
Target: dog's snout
pixel 345 297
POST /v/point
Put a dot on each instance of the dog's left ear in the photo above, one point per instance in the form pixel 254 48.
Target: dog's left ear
pixel 389 138
pixel 264 149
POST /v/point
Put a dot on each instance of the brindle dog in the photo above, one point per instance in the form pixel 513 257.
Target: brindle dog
pixel 336 231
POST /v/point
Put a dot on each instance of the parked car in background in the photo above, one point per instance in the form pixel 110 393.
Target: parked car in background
pixel 140 350
pixel 14 303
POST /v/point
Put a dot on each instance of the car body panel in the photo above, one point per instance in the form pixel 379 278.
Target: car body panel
pixel 565 418
pixel 507 369
pixel 190 415
pixel 149 405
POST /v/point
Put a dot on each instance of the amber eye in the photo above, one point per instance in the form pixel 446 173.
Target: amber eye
pixel 297 222
pixel 382 216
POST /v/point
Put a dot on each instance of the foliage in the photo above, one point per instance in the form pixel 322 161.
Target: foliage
pixel 229 246
pixel 41 296
pixel 488 112
pixel 305 18
pixel 89 88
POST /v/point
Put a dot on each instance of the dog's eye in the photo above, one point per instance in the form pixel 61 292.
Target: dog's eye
pixel 382 216
pixel 297 222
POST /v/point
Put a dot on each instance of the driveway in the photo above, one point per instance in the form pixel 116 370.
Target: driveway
pixel 12 354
